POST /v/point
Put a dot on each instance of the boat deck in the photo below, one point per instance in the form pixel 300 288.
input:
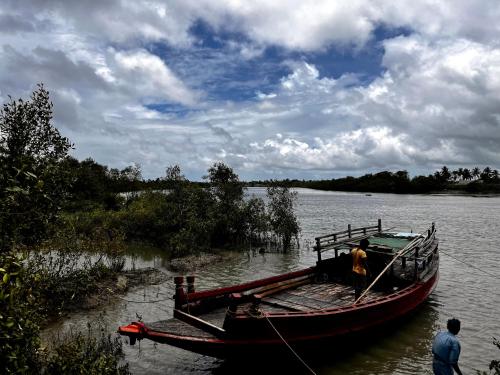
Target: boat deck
pixel 178 327
pixel 308 297
pixel 314 296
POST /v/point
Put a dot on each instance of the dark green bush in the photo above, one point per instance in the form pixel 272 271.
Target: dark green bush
pixel 281 214
pixel 93 353
pixel 494 368
pixel 32 287
pixel 33 183
pixel 70 266
pixel 19 317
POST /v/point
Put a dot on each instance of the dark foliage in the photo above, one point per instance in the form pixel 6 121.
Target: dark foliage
pixel 281 214
pixel 494 367
pixel 94 353
pixel 226 191
pixel 19 317
pixel 96 186
pixel 189 217
pixel 33 183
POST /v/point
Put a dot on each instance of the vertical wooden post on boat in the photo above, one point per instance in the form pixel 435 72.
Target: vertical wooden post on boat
pixel 180 295
pixel 416 263
pixel 349 230
pixel 318 249
pixel 234 300
pixel 379 225
pixel 190 283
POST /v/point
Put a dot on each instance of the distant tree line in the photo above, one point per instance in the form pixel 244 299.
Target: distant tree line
pixel 93 183
pixel 464 179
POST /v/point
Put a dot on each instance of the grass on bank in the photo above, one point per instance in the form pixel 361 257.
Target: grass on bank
pixel 54 279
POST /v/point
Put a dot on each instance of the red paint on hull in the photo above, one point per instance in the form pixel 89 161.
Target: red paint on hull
pixel 256 334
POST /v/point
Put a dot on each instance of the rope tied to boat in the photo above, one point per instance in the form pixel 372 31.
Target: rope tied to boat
pixel 230 312
pixel 468 264
pixel 255 312
pixel 287 344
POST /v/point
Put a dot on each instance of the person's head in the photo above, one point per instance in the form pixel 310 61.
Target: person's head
pixel 453 326
pixel 364 243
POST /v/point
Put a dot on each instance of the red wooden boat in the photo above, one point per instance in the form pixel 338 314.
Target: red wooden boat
pixel 306 306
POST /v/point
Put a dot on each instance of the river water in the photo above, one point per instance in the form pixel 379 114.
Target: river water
pixel 466 226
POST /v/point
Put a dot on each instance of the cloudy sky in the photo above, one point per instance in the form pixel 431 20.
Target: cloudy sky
pixel 276 89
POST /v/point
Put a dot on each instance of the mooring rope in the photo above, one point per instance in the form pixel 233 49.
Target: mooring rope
pixel 146 301
pixel 150 301
pixel 288 345
pixel 470 265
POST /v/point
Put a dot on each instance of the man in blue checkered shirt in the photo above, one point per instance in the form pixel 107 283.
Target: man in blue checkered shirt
pixel 446 350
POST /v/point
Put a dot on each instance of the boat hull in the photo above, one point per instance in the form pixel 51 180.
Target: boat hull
pixel 259 333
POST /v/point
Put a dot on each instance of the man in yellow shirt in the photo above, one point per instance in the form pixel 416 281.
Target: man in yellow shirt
pixel 359 267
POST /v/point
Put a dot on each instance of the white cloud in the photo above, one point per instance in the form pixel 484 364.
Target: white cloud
pixel 346 151
pixel 296 24
pixel 152 77
pixel 118 21
pixel 305 25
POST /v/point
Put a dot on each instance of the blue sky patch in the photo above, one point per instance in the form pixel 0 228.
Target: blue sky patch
pixel 216 66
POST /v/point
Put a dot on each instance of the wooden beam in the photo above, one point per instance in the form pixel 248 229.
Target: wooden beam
pixel 277 285
pixel 192 297
pixel 280 288
pixel 199 323
pixel 282 305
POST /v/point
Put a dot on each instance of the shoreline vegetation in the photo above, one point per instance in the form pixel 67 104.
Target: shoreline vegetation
pixel 65 225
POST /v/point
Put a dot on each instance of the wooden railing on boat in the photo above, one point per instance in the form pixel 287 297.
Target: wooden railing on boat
pixel 416 252
pixel 424 254
pixel 250 291
pixel 334 240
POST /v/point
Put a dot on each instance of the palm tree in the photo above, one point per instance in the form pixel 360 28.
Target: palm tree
pixel 445 173
pixel 495 175
pixel 486 175
pixel 467 174
pixel 476 172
